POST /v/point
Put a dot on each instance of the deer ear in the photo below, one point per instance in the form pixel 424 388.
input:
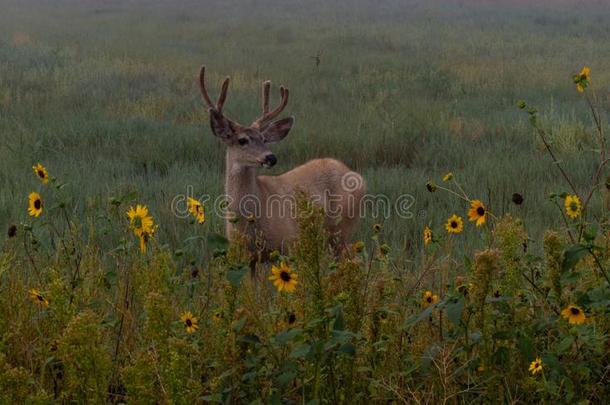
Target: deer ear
pixel 277 130
pixel 221 126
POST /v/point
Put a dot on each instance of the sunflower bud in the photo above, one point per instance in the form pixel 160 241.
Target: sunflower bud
pixel 342 297
pixel 274 256
pixel 292 318
pixel 358 246
pixel 431 186
pixel 384 249
pixel 521 104
pixel 517 199
pixel 377 228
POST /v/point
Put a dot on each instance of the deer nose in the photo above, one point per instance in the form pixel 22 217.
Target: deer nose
pixel 270 160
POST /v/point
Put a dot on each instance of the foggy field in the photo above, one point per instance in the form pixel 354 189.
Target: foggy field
pixel 104 94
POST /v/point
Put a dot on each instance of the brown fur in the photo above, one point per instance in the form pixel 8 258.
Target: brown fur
pixel 272 199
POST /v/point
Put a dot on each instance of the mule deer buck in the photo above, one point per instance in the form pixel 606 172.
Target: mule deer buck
pixel 327 182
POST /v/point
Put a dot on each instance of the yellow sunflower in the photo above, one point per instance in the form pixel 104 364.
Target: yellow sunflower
pixel 41 172
pixel 448 177
pixel 427 235
pixel 142 224
pixel 536 366
pixel 217 315
pixel 38 298
pixel 455 224
pixel 358 246
pixel 573 206
pixel 582 79
pixel 144 239
pixel 35 205
pixel 477 212
pixel 574 314
pixel 430 298
pixel 196 209
pixel 283 278
pixel 190 322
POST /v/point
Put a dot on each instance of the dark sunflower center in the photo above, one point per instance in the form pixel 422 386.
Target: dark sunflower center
pixel 292 318
pixel 40 297
pixel 481 211
pixel 454 224
pixel 574 206
pixel 575 311
pixel 37 204
pixel 285 276
pixel 536 365
pixel 428 299
pixel 41 174
pixel 137 222
pixel 189 322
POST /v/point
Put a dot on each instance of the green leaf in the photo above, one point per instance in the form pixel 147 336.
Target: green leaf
pixel 213 398
pixel 217 242
pixel 348 349
pixel 254 339
pixel 565 344
pixel 300 351
pixel 572 256
pixel 590 233
pixel 285 378
pixel 236 273
pixel 239 324
pixel 192 239
pixel 422 315
pixel 339 324
pixel 455 307
pixel 287 335
pixel 526 347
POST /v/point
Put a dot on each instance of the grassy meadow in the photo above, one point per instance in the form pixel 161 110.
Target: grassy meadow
pixel 104 95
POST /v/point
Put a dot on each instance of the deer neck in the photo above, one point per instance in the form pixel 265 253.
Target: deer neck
pixel 240 181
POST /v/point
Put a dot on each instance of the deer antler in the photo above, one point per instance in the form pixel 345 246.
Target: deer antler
pixel 267 116
pixel 206 96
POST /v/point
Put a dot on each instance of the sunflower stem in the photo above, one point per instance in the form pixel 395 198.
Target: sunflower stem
pixel 542 135
pixel 565 221
pixel 599 265
pixel 533 284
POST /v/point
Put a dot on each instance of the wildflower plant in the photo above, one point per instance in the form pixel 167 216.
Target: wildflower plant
pixel 86 317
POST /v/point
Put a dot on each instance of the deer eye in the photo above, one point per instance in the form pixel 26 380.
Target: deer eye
pixel 242 141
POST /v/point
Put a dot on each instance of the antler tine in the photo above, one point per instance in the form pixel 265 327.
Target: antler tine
pixel 204 91
pixel 268 116
pixel 266 88
pixel 223 95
